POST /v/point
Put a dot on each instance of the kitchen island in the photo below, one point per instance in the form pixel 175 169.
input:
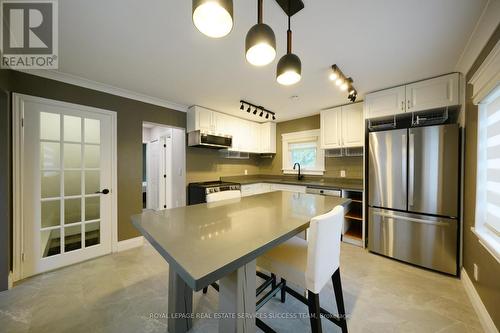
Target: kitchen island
pixel 221 241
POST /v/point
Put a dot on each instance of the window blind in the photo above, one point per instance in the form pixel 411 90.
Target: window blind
pixel 488 184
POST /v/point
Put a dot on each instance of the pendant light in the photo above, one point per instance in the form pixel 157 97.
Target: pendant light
pixel 213 18
pixel 260 43
pixel 289 67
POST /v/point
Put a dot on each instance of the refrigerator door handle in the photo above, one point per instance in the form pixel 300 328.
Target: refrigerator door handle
pixel 412 219
pixel 404 168
pixel 411 169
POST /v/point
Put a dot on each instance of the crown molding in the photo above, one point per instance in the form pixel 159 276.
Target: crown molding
pixel 484 28
pixel 102 87
pixel 487 76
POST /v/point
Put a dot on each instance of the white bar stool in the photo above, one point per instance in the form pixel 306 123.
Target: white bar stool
pixel 310 264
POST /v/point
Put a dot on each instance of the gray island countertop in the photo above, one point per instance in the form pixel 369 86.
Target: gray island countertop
pixel 320 182
pixel 205 242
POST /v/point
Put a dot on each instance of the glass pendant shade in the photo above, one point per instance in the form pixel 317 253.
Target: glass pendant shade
pixel 213 18
pixel 289 70
pixel 260 45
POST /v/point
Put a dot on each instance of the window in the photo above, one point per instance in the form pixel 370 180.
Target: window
pixel 303 148
pixel 488 174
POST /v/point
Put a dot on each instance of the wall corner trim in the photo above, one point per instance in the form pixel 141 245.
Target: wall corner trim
pixel 106 88
pixel 484 317
pixel 128 244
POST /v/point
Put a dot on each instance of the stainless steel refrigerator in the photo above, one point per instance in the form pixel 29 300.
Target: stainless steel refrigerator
pixel 413 195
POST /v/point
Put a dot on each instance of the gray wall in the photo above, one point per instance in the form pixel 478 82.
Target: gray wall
pixel 488 286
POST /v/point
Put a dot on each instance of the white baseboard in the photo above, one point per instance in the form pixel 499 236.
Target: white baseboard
pixel 477 304
pixel 10 280
pixel 129 244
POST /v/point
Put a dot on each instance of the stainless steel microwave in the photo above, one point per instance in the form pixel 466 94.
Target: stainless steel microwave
pixel 209 140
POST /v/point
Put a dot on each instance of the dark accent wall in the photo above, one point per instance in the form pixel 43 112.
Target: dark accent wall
pixel 5 189
pixel 130 115
pixel 488 286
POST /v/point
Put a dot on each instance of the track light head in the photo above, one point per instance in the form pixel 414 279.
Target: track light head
pixel 242 107
pixel 255 111
pixel 261 113
pixel 274 118
pixel 267 115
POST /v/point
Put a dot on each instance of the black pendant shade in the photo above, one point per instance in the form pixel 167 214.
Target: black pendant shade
pixel 289 70
pixel 260 42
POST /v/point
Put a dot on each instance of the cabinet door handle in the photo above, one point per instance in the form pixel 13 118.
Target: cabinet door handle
pixel 402 105
pixel 408 105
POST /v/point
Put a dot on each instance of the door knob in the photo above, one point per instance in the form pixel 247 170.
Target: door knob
pixel 105 191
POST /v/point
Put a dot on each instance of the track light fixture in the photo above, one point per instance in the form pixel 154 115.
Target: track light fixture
pixel 344 83
pixel 260 43
pixel 213 18
pixel 242 107
pixel 263 111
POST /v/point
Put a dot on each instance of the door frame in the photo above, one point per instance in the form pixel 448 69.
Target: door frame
pixel 17 172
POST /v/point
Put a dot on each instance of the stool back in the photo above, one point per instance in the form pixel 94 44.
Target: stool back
pixel 323 250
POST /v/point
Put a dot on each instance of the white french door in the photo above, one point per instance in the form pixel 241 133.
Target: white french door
pixel 65 154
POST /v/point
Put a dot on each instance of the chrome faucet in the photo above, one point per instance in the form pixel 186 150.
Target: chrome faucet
pixel 299 176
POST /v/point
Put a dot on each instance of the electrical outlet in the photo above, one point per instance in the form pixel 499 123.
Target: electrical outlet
pixel 342 173
pixel 476 272
pixel 246 172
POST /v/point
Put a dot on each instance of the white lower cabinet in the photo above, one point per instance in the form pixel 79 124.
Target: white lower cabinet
pixel 253 189
pixel 258 188
pixel 289 188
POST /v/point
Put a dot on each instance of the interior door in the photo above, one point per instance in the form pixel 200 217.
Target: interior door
pixel 388 169
pixel 433 170
pixel 66 184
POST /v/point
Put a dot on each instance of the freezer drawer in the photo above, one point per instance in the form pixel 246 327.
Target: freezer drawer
pixel 433 160
pixel 387 169
pixel 421 240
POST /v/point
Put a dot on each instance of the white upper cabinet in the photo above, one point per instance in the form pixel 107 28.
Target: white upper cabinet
pixel 268 138
pixel 353 125
pixel 385 103
pixel 199 118
pixel 222 123
pixel 343 127
pixel 429 94
pixel 331 128
pixel 434 93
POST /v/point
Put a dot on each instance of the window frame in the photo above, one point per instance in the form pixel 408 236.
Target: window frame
pixel 487 237
pixel 302 137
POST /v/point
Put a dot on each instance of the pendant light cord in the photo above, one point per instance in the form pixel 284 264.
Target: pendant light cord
pixel 259 11
pixel 289 31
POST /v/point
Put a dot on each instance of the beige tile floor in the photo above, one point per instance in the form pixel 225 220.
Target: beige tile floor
pixel 119 292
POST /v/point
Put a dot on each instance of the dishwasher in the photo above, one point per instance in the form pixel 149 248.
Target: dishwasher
pixel 322 191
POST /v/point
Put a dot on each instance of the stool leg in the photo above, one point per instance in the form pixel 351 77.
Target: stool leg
pixel 273 285
pixel 283 291
pixel 339 298
pixel 314 312
pixel 205 290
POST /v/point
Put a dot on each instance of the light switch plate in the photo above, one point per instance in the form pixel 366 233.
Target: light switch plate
pixel 342 173
pixel 476 273
pixel 246 172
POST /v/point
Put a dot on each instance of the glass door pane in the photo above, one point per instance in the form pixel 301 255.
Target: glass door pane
pixel 69 182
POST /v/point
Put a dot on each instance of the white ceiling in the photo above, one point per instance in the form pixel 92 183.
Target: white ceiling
pixel 152 48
